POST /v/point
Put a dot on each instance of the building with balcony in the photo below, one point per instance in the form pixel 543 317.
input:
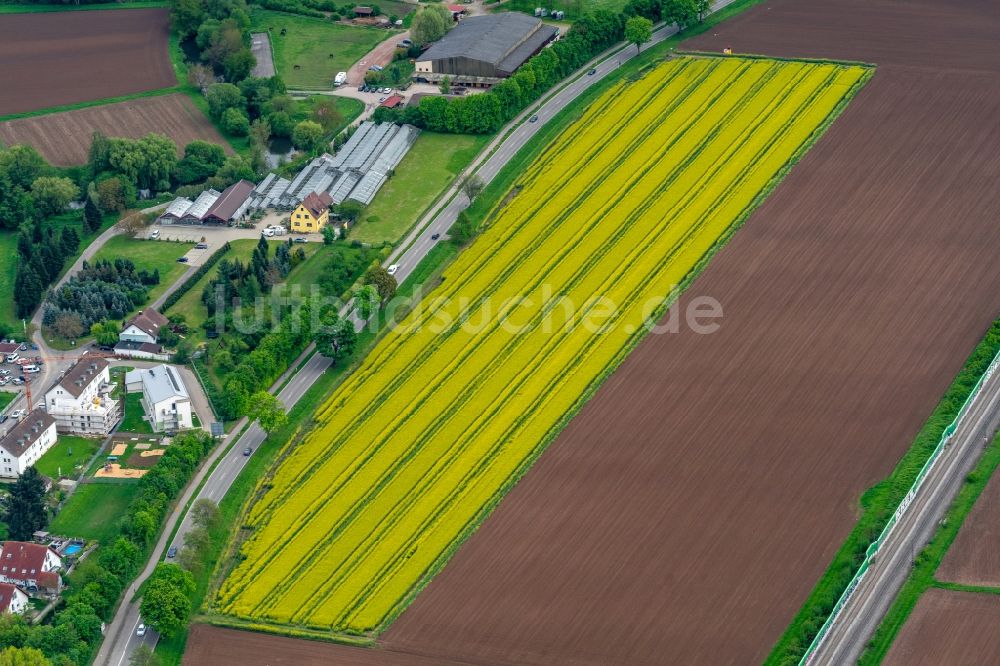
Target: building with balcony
pixel 81 401
pixel 165 398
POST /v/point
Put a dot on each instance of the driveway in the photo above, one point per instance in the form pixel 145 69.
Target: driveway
pixel 261 48
pixel 380 55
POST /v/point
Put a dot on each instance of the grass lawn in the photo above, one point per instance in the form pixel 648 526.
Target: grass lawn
pixel 6 397
pixel 190 304
pixel 68 452
pixel 149 254
pixel 426 171
pixel 133 421
pixel 93 511
pixel 313 50
pixel 8 269
pixel 573 8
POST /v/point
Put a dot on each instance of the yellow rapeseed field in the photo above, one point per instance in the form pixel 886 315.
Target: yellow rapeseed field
pixel 425 437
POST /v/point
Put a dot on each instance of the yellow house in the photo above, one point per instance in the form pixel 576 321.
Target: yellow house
pixel 312 213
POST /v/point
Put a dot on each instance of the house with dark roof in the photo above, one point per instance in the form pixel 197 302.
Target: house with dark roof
pixel 483 50
pixel 231 205
pixel 81 401
pixel 22 445
pixel 143 327
pixel 12 599
pixel 314 212
pixel 31 566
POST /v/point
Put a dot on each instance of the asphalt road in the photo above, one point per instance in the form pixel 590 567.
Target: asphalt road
pixel 120 639
pixel 861 616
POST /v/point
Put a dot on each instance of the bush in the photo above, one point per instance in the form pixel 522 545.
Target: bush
pixel 235 122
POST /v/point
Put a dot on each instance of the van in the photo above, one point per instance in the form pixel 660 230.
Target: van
pixel 30 369
pixel 340 79
pixel 12 357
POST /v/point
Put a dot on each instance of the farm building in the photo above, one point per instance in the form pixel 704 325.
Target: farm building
pixel 356 172
pixel 312 214
pixel 30 565
pixel 25 443
pixel 231 204
pixel 483 50
pixel 211 207
pixel 81 401
pixel 392 101
pixel 165 398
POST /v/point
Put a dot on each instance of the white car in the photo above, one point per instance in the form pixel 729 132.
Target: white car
pixel 140 630
pixel 268 232
pixel 18 413
pixel 392 269
pixel 155 234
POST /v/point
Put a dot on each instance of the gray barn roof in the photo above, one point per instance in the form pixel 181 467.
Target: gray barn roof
pixel 488 38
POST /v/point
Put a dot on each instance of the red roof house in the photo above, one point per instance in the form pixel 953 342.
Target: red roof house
pixel 30 565
pixel 392 101
pixel 12 600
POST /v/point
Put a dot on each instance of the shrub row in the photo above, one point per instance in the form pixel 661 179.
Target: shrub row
pixel 197 275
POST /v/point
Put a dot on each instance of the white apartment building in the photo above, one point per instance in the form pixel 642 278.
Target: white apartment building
pixel 165 398
pixel 22 445
pixel 81 401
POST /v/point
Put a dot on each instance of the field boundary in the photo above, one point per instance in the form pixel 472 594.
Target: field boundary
pixel 899 513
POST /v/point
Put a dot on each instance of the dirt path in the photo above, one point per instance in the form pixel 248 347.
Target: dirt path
pixel 380 55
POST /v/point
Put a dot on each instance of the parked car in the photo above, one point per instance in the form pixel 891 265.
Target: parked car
pixel 155 234
pixel 18 380
pixel 3 417
pixel 18 413
pixel 23 347
pixel 182 260
pixel 268 232
pixel 140 630
pixel 4 372
pixel 392 269
pixel 34 347
pixel 386 90
pixel 172 552
pixel 12 357
pixel 201 246
pixel 301 240
pixel 247 451
pixel 404 44
pixel 4 381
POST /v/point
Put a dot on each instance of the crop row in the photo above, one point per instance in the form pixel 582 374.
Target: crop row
pixel 414 448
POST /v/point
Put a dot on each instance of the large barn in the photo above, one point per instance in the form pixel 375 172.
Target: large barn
pixel 483 50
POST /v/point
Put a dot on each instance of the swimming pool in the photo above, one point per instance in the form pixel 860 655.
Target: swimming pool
pixel 72 549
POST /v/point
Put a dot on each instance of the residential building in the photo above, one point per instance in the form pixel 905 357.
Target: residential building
pixel 81 401
pixel 483 50
pixel 22 445
pixel 147 351
pixel 31 566
pixel 312 214
pixel 165 398
pixel 12 599
pixel 143 327
pixel 231 205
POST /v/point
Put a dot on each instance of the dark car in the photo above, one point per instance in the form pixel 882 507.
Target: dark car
pixel 247 451
pixel 3 417
pixel 533 119
pixel 182 260
pixel 23 347
pixel 592 72
pixel 435 236
pixel 172 552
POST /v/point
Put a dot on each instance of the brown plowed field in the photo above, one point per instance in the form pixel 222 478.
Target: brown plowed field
pixel 974 557
pixel 64 138
pixel 52 59
pixel 952 628
pixel 685 514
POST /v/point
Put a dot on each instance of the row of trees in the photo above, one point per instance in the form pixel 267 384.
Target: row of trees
pixel 683 13
pixel 76 626
pixel 486 113
pixel 41 254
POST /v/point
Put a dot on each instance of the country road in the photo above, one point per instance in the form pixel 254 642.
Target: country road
pixel 120 639
pixel 861 615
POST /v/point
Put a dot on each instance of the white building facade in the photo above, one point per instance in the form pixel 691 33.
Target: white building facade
pixel 22 445
pixel 165 397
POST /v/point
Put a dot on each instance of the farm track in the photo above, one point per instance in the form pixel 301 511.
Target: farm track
pixel 62 58
pixel 692 504
pixel 390 500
